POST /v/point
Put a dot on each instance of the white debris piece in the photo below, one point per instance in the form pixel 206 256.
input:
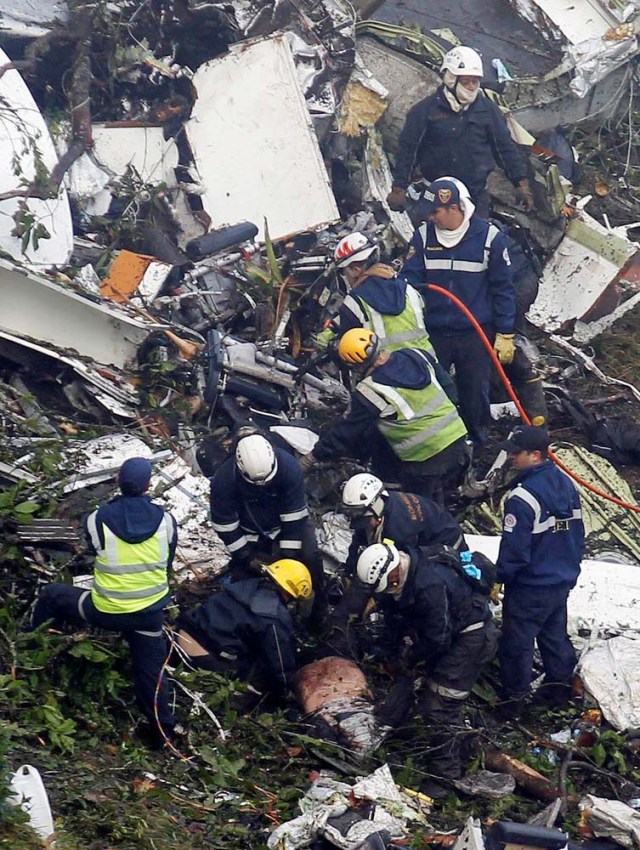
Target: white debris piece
pixel 26 146
pixel 29 793
pixel 328 799
pixel 37 308
pixel 254 145
pixel 612 819
pixel 471 837
pixel 31 18
pixel 610 670
pixel 334 536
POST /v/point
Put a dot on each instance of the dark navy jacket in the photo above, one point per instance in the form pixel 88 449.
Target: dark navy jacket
pixel 413 521
pixel 249 623
pixel 477 270
pixel 133 519
pixel 464 144
pixel 242 513
pixel 405 368
pixel 543 533
pixel 436 604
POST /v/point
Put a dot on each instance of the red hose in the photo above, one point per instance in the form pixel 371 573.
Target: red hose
pixel 505 380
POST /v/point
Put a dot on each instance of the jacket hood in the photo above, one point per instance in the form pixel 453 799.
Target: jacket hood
pixel 131 518
pixel 384 295
pixel 405 368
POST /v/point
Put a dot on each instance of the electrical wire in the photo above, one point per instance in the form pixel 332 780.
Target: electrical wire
pixel 512 394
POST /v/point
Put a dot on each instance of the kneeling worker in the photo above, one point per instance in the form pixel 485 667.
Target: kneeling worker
pixel 400 400
pixel 245 630
pixel 429 600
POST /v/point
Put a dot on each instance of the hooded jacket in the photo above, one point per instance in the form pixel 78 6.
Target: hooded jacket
pixel 464 144
pixel 249 623
pixel 133 519
pixel 543 533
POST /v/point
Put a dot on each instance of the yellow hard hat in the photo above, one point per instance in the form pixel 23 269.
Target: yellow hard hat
pixel 357 346
pixel 292 576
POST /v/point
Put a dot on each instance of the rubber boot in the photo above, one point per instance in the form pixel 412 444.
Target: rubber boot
pixel 531 397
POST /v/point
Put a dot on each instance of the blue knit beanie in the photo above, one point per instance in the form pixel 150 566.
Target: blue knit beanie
pixel 134 476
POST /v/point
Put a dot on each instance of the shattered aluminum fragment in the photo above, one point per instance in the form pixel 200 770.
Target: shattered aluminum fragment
pixel 484 783
pixel 471 836
pixel 249 111
pixel 612 819
pixel 379 182
pixel 32 231
pixel 334 536
pixel 31 18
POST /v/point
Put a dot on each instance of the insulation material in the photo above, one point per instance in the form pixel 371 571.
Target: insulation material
pixel 363 103
pixel 610 671
pixel 327 800
pixel 612 819
pixel 133 273
pixel 254 144
pixel 25 146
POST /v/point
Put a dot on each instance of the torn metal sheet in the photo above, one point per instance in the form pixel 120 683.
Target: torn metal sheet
pixel 591 274
pixel 254 145
pixel 39 309
pixel 612 819
pixel 379 183
pixel 114 393
pixel 134 276
pixel 117 149
pixel 32 231
pixel 568 22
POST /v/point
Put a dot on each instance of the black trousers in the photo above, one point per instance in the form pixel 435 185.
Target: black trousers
pixel 447 687
pixel 466 352
pixel 142 630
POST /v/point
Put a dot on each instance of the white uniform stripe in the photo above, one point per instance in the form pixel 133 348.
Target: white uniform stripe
pixel 294 515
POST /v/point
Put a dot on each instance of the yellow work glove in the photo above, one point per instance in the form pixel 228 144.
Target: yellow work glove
pixel 324 339
pixel 494 596
pixel 505 348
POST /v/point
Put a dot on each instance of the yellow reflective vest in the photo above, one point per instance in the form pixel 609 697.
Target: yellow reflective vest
pixel 406 330
pixel 417 424
pixel 129 577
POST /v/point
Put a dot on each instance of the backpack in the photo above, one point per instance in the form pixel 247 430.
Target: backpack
pixel 475 568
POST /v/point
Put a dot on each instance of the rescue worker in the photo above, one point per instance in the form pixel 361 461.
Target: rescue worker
pixel 460 252
pixel 245 630
pixel 400 399
pixel 377 300
pixel 428 600
pixel 538 564
pixel 458 131
pixel 409 520
pixel 258 504
pixel 134 542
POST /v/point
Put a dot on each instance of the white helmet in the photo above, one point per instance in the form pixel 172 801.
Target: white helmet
pixel 355 248
pixel 375 563
pixel 362 494
pixel 463 62
pixel 256 459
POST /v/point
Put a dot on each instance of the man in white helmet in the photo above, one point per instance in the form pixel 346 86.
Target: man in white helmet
pixel 458 131
pixel 377 300
pixel 376 514
pixel 258 505
pixel 429 600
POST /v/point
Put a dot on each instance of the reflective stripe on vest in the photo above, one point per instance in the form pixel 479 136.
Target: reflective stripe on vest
pixel 407 330
pixel 129 576
pixel 426 423
pixel 454 265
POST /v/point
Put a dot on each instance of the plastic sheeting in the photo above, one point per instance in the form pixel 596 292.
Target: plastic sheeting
pixel 328 799
pixel 610 670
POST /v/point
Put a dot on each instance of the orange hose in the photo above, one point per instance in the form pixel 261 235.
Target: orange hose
pixel 512 394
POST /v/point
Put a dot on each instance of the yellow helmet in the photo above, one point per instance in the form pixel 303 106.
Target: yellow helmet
pixel 358 346
pixel 292 576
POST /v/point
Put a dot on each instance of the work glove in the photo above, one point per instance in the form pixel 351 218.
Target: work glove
pixel 525 195
pixel 505 348
pixel 307 461
pixel 324 338
pixel 494 596
pixel 397 199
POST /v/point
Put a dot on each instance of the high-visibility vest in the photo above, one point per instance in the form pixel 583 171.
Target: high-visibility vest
pixel 129 576
pixel 406 330
pixel 426 421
